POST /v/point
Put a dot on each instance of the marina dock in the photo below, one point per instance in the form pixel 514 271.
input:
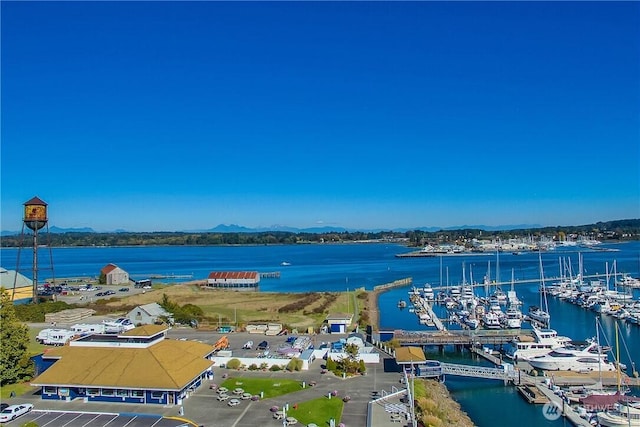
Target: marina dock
pixel 486 354
pixel 532 395
pixel 461 337
pixel 565 409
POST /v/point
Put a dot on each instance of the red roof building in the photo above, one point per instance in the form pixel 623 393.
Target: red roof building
pixel 233 279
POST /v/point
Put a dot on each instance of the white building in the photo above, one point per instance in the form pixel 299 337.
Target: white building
pixel 149 314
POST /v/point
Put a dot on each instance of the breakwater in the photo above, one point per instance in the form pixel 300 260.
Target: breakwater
pixel 374 311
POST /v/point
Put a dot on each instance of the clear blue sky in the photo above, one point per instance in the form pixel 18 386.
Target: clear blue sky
pixel 162 116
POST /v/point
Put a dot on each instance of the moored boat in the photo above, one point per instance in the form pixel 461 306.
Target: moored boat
pixel 623 414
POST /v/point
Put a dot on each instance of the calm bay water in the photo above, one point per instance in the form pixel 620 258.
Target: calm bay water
pixel 340 267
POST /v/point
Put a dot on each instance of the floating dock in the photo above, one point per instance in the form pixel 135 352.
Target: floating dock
pixel 532 394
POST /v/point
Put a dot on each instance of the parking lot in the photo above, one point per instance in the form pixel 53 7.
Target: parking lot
pixel 81 419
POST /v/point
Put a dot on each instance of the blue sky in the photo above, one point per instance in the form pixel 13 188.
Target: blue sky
pixel 162 116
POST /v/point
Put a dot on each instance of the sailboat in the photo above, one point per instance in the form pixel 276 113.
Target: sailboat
pixel 537 313
pixel 623 412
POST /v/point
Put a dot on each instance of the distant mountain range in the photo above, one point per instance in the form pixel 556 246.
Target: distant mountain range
pixel 234 228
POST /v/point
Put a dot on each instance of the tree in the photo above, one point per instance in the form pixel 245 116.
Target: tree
pixel 15 364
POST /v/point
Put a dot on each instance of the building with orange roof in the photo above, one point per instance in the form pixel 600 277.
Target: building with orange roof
pixel 233 279
pixel 138 366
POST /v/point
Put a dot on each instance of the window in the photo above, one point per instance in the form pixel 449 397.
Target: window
pixel 122 393
pixel 49 390
pixel 157 395
pixel 93 391
pixel 107 392
pixel 137 393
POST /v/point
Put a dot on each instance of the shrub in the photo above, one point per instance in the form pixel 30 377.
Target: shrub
pixel 294 365
pixel 253 367
pixel 275 368
pixel 331 364
pixel 233 364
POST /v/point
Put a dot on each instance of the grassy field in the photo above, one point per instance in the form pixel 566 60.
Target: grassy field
pixel 268 386
pixel 318 411
pixel 296 310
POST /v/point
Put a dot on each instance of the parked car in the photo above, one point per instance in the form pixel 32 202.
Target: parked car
pixel 263 345
pixel 124 289
pixel 14 411
pixel 248 345
pixel 3 406
pixel 222 397
pixel 233 402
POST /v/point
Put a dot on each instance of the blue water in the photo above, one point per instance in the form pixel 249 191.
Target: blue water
pixel 339 267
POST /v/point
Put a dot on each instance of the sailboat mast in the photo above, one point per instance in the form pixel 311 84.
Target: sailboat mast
pixel 543 292
pixel 599 354
pixel 617 358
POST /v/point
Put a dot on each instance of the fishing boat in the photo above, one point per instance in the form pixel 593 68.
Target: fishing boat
pixel 402 304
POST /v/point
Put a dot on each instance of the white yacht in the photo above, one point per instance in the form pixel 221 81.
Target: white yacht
pixel 471 322
pixel 539 315
pixel 427 292
pixel 589 358
pixel 491 320
pixel 623 415
pixel 524 347
pixel 513 318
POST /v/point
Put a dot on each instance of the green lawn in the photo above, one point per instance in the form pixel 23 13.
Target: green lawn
pixel 271 387
pixel 318 411
pixel 34 347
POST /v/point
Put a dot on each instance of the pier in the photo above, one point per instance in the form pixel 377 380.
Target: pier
pixel 485 353
pixel 566 410
pixel 169 276
pixel 462 337
pixel 423 307
pixel 531 394
pixel 270 275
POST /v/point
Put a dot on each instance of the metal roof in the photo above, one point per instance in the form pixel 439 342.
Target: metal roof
pixel 167 365
pixel 234 275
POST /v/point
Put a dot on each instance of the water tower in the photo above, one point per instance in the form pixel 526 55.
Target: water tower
pixel 35 218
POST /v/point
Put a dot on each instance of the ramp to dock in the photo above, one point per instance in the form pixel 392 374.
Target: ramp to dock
pixel 506 373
